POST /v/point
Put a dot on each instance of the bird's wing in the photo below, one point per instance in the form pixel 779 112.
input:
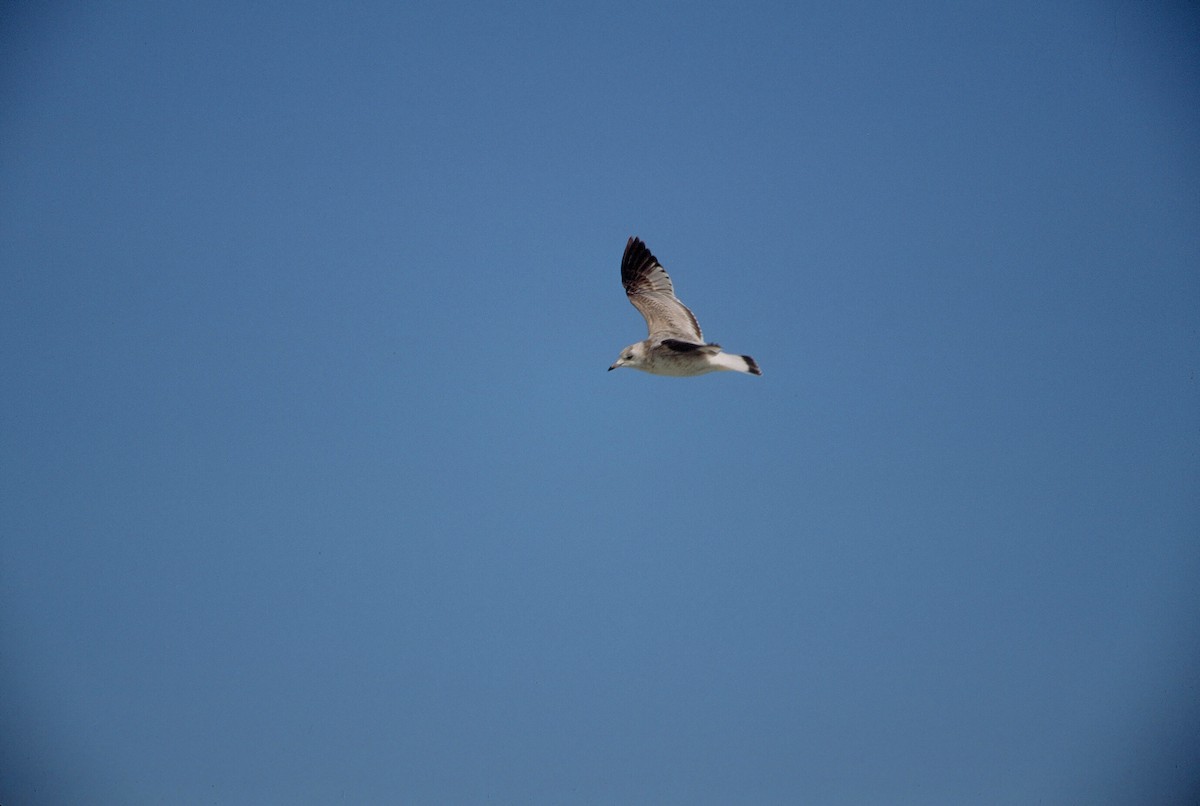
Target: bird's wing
pixel 649 289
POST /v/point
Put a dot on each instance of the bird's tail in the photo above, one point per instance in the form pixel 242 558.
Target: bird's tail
pixel 737 363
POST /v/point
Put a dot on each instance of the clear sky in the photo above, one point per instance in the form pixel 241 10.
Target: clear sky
pixel 314 487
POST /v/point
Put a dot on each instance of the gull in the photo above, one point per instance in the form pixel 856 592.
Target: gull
pixel 675 345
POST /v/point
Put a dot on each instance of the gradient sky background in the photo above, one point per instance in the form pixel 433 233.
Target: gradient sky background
pixel 314 488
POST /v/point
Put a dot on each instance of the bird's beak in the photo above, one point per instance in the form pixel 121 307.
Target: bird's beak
pixel 614 366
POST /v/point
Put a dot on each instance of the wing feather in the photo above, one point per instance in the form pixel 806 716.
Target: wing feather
pixel 649 288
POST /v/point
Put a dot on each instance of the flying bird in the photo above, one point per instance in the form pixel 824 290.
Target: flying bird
pixel 675 345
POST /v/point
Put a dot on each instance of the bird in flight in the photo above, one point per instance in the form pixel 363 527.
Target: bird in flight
pixel 675 345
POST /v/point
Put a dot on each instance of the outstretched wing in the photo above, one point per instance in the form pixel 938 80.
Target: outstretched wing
pixel 649 289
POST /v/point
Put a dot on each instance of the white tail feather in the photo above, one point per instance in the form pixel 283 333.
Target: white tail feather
pixel 736 363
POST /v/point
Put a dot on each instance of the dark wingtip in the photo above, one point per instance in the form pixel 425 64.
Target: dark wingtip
pixel 632 247
pixel 752 365
pixel 634 261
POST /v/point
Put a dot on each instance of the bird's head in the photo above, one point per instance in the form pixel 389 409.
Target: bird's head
pixel 632 356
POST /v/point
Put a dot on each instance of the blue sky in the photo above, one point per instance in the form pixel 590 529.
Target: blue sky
pixel 315 488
